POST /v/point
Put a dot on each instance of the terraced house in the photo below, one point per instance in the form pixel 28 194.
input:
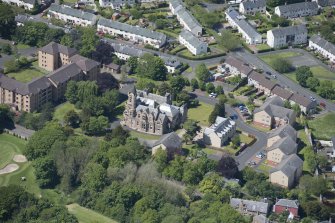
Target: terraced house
pixel 65 65
pixel 26 4
pixel 192 43
pixel 287 36
pixel 71 16
pixel 252 7
pixel 132 33
pixel 300 9
pixel 323 47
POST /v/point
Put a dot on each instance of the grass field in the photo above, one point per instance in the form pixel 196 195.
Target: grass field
pixel 201 113
pixel 303 137
pixel 10 146
pixel 322 73
pixel 85 215
pixel 62 109
pixel 27 75
pixel 143 135
pixel 268 58
pixel 323 126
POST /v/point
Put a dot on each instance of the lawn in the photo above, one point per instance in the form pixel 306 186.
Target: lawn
pixel 246 139
pixel 143 135
pixel 268 58
pixel 263 47
pixel 201 113
pixel 25 170
pixel 323 126
pixel 303 137
pixel 22 46
pixel 264 168
pixel 62 109
pixel 322 73
pixel 85 215
pixel 28 74
pixel 10 146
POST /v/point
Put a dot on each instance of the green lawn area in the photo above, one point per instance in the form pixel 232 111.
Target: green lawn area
pixel 322 73
pixel 323 126
pixel 303 137
pixel 25 170
pixel 209 151
pixel 263 46
pixel 189 69
pixel 168 32
pixel 268 58
pixel 143 135
pixel 27 75
pixel 22 46
pixel 119 110
pixel 201 113
pixel 85 215
pixel 62 109
pixel 264 168
pixel 245 139
pixel 9 146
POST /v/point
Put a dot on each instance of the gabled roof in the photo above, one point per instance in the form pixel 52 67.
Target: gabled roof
pixel 324 3
pixel 281 92
pixel 170 141
pixel 251 206
pixel 72 12
pixel 262 80
pixel 298 6
pixel 286 145
pixel 220 127
pixel 238 64
pixel 289 165
pixel 132 29
pixel 84 63
pixel 274 106
pixel 287 203
pixel 188 18
pixel 284 130
pixel 64 73
pixel 251 4
pixel 125 49
pixel 55 48
pixel 190 38
pixel 289 30
pixel 324 44
pixel 302 100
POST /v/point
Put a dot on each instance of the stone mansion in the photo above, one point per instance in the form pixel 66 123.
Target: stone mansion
pixel 152 113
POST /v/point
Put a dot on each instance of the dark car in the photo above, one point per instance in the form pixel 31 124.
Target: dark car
pixel 268 73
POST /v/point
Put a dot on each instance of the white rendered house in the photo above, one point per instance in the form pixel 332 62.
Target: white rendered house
pixel 193 44
pixel 322 46
pixel 286 36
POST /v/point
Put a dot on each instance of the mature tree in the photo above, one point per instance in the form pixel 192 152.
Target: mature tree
pixel 316 210
pixel 210 88
pixel 236 141
pixel 94 105
pixel 219 110
pixel 227 166
pixel 163 88
pixel 194 84
pixel 95 125
pixel 128 196
pixel 110 100
pixel 6 116
pixel 202 72
pixel 161 23
pixel 132 63
pixel 152 67
pixel 71 92
pixel 219 90
pixel 175 168
pixel 11 66
pixel 287 104
pixel 177 84
pixel 326 90
pixel 45 171
pixel 191 127
pixel 282 65
pixel 161 159
pixel 210 19
pixel 228 40
pixel 313 185
pixel 184 97
pixel 6 49
pixel 279 21
pixel 67 40
pixel 89 40
pixel 103 53
pixel 302 74
pixel 94 177
pixel 312 83
pixel 86 89
pixel 212 183
pixel 135 13
pixel 71 118
pixel 7 21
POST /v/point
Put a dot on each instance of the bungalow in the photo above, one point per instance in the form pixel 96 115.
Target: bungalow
pixel 248 32
pixel 273 114
pixel 237 67
pixel 193 44
pixel 249 207
pixel 287 36
pixel 283 147
pixel 282 205
pixel 219 133
pixel 295 10
pixel 281 132
pixel 252 7
pixel 261 83
pixel 288 172
pixel 133 33
pixel 72 16
pixel 171 143
pixel 322 46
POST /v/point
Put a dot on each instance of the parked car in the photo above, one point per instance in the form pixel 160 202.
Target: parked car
pixel 268 73
pixel 274 76
pixel 213 95
pixel 312 99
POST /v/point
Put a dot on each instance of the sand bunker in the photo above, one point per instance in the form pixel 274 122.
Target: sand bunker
pixel 9 168
pixel 20 159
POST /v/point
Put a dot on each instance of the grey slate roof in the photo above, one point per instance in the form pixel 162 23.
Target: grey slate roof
pixel 298 6
pixel 125 49
pixel 32 2
pixel 289 30
pixel 84 63
pixel 281 92
pixel 170 141
pixel 251 206
pixel 238 64
pixel 54 48
pixel 262 80
pixel 284 130
pixel 302 100
pixel 274 106
pixel 73 12
pixel 260 219
pixel 169 61
pixel 287 203
pixel 253 4
pixel 286 145
pixel 289 165
pixel 189 37
pixel 23 18
pixel 324 3
pixel 318 40
pixel 188 18
pixel 64 73
pixel 132 29
pixel 333 141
